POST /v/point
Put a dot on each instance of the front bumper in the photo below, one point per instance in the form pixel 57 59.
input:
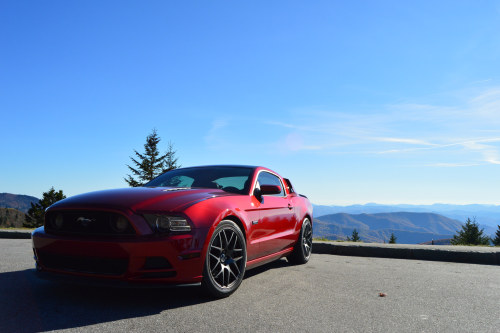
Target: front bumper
pixel 150 259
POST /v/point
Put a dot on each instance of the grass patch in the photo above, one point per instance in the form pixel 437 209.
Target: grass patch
pixel 17 229
pixel 321 239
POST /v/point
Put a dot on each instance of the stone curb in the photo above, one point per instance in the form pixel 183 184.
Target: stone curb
pixel 15 234
pixel 462 254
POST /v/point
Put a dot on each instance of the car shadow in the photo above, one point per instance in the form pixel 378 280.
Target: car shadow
pixel 29 304
pixel 264 268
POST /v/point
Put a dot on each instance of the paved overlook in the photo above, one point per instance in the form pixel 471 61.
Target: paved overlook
pixel 330 294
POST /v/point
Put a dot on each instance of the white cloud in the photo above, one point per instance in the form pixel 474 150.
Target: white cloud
pixel 295 142
pixel 467 128
pixel 453 165
pixel 213 138
pixel 405 140
pixel 487 105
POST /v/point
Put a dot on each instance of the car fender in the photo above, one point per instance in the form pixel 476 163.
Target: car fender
pixel 209 213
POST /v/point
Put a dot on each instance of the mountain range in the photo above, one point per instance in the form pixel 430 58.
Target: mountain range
pixel 408 227
pixel 18 201
pixel 485 215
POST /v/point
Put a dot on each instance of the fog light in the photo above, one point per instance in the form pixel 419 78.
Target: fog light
pixel 58 221
pixel 121 224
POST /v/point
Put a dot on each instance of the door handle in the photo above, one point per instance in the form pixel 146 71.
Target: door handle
pixel 290 206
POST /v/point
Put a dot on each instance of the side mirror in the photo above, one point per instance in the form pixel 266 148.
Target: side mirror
pixel 270 189
pixel 258 194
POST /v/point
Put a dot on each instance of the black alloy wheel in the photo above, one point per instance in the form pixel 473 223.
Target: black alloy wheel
pixel 225 261
pixel 303 248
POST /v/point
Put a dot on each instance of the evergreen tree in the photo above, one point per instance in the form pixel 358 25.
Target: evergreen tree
pixel 393 239
pixel 470 235
pixel 496 240
pixel 151 164
pixel 36 214
pixel 170 160
pixel 354 237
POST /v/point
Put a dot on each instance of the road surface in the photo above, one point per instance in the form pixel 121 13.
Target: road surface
pixel 329 294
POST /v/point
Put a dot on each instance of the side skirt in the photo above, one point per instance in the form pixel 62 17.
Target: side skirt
pixel 270 257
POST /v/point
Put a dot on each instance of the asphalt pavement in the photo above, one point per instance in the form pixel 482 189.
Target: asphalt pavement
pixel 331 293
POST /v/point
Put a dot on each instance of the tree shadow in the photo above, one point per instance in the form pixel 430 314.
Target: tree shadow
pixel 29 304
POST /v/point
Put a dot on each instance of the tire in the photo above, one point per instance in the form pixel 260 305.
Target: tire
pixel 225 260
pixel 303 248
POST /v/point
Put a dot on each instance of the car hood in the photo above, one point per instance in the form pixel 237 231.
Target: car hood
pixel 140 199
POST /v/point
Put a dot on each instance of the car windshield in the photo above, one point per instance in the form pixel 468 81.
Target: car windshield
pixel 229 179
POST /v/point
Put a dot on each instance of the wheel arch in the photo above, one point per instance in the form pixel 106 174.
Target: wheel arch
pixel 308 217
pixel 238 222
pixel 227 216
pixel 301 221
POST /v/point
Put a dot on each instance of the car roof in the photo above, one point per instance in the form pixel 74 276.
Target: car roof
pixel 253 167
pixel 223 165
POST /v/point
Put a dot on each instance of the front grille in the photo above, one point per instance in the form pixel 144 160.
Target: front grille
pixel 156 263
pixel 158 275
pixel 88 223
pixel 103 266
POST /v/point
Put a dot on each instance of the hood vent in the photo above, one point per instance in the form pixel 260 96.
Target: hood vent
pixel 176 189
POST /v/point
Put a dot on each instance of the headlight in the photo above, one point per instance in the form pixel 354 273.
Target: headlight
pixel 179 224
pixel 165 223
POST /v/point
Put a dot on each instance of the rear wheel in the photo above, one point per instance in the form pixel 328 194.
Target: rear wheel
pixel 303 248
pixel 225 260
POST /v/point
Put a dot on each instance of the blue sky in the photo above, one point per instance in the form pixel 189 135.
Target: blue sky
pixel 354 101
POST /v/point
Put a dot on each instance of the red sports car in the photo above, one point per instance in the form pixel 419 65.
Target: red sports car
pixel 201 224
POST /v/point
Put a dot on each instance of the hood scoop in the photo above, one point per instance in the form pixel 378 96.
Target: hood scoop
pixel 176 189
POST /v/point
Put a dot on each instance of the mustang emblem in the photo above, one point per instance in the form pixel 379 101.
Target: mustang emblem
pixel 85 222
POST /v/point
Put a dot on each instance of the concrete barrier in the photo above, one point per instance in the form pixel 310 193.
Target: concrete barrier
pixel 465 254
pixel 15 234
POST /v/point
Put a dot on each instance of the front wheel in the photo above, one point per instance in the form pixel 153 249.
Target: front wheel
pixel 303 248
pixel 225 260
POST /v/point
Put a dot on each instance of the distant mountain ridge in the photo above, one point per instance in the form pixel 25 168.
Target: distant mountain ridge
pixel 408 227
pixel 18 201
pixel 486 215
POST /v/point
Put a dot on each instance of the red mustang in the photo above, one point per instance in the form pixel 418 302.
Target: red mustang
pixel 189 225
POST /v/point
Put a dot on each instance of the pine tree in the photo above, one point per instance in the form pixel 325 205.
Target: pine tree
pixel 393 239
pixel 470 235
pixel 151 164
pixel 170 160
pixel 354 237
pixel 36 214
pixel 496 240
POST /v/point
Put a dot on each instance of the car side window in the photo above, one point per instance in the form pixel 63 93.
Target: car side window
pixel 266 178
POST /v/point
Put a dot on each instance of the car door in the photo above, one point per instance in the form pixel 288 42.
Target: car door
pixel 254 234
pixel 276 217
